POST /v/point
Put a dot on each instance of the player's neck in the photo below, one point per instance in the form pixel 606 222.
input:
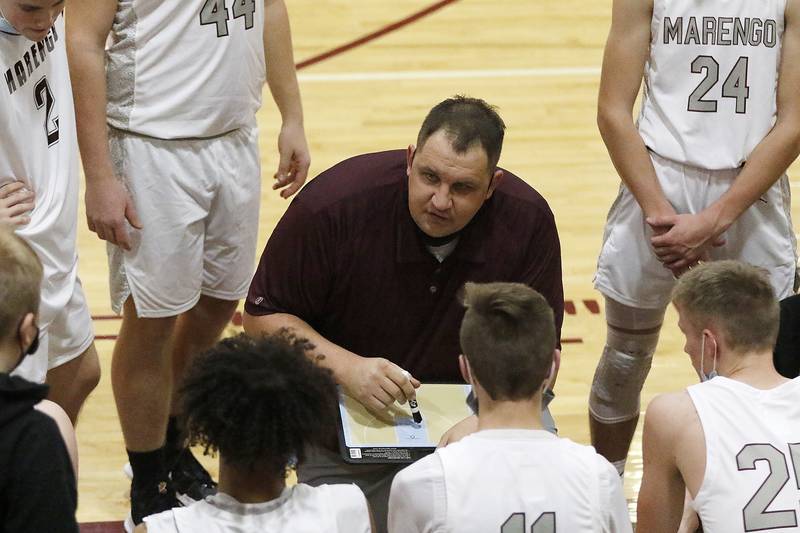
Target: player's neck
pixel 754 369
pixel 9 356
pixel 249 486
pixel 524 414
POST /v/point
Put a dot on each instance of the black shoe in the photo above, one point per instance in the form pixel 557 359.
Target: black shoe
pixel 149 499
pixel 191 481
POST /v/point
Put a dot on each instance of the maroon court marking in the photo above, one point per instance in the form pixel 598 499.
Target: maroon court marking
pixel 593 306
pixel 102 527
pixel 569 307
pixel 374 35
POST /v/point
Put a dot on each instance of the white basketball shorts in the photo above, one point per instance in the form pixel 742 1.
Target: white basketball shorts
pixel 628 270
pixel 198 202
pixel 63 338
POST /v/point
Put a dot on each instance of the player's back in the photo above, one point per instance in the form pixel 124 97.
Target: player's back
pixel 299 509
pixel 752 440
pixel 185 69
pixel 710 81
pixel 516 481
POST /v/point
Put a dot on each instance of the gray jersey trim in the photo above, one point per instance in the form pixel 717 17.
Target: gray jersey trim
pixel 121 66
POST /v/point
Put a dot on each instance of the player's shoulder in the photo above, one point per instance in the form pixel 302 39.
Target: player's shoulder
pixel 338 497
pixel 427 471
pixel 366 177
pixel 668 414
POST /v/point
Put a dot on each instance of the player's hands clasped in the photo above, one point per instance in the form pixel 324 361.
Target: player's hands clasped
pixel 295 159
pixel 377 383
pixel 680 241
pixel 16 201
pixel 108 206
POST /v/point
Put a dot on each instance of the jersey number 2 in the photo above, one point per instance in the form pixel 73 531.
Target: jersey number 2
pixel 43 97
pixel 755 514
pixel 215 12
pixel 735 85
pixel 546 523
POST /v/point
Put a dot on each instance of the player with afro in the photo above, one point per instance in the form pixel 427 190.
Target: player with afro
pixel 259 404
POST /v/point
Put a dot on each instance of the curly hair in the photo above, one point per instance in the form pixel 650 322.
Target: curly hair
pixel 259 402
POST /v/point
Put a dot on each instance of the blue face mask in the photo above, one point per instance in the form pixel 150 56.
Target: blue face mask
pixel 6 27
pixel 713 373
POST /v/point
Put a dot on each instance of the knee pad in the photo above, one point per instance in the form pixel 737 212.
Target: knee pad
pixel 631 341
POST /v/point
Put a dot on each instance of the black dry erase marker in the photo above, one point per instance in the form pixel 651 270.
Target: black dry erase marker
pixel 412 403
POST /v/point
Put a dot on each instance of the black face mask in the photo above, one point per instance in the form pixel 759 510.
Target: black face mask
pixel 30 350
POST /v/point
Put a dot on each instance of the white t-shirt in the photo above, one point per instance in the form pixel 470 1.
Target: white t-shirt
pixel 752 456
pixel 184 69
pixel 506 481
pixel 711 79
pixel 299 509
pixel 38 145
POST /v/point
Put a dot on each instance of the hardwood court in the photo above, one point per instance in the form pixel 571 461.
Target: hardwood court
pixel 539 61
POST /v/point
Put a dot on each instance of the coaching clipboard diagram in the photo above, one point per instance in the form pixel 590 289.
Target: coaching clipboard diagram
pixel 393 436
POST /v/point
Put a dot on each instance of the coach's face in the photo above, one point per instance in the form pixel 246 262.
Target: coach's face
pixel 32 18
pixel 445 188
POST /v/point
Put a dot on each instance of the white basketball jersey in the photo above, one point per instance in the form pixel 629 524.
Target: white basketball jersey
pixel 38 145
pixel 185 68
pixel 752 456
pixel 711 79
pixel 521 481
pixel 299 509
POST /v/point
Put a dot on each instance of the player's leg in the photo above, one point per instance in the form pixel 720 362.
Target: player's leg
pixel 229 249
pixel 631 339
pixel 74 368
pixel 152 284
pixel 196 331
pixel 636 287
pixel 72 382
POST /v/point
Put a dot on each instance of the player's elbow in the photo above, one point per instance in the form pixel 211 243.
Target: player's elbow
pixel 259 325
pixel 608 119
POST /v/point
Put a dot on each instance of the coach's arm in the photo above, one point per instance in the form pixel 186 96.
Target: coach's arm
pixel 290 286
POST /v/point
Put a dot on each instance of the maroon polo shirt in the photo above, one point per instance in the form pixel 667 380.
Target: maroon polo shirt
pixel 348 259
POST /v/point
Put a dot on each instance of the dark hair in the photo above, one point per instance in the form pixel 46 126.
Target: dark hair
pixel 508 335
pixel 466 121
pixel 734 295
pixel 259 402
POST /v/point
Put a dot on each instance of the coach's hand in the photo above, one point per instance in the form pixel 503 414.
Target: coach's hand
pixel 108 206
pixel 686 241
pixel 377 383
pixel 466 427
pixel 16 201
pixel 295 160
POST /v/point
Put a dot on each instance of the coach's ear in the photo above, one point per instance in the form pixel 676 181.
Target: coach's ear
pixel 463 365
pixel 410 151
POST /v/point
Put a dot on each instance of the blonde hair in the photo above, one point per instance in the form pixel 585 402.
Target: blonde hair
pixel 508 335
pixel 20 281
pixel 736 297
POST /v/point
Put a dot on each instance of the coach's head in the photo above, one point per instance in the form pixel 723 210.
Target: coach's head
pixel 453 170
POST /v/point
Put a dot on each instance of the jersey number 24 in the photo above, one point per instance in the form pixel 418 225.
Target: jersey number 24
pixel 734 86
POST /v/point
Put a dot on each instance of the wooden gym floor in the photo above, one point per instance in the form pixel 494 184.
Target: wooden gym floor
pixel 369 71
